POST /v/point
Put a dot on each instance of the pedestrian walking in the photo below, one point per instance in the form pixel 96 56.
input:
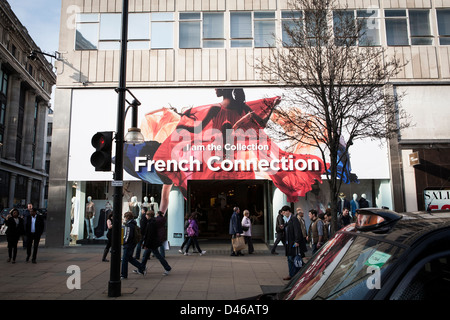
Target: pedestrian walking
pixel 109 221
pixel 162 231
pixel 150 244
pixel 235 229
pixel 279 228
pixel 34 229
pixel 315 232
pixel 293 240
pixel 186 237
pixel 247 228
pixel 193 232
pixel 130 239
pixel 142 224
pixel 15 229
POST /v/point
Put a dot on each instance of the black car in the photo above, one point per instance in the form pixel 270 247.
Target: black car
pixel 383 256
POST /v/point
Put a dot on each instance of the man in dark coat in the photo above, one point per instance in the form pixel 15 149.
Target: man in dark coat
pixel 235 229
pixel 294 240
pixel 34 227
pixel 151 243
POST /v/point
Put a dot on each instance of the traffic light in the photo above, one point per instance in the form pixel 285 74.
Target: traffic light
pixel 101 158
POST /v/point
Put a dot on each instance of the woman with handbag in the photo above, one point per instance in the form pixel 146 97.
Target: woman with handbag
pixel 16 228
pixel 247 228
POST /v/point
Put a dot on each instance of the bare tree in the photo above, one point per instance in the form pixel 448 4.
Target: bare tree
pixel 337 85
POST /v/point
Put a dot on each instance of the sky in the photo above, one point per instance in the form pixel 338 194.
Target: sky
pixel 41 18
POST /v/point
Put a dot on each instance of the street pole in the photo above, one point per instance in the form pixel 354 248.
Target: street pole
pixel 114 285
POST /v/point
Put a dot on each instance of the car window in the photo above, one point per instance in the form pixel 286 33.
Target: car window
pixel 429 280
pixel 348 267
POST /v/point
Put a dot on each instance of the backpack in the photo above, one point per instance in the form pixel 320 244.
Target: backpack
pixel 190 231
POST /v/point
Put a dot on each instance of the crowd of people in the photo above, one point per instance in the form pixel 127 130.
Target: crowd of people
pixel 150 235
pixel 29 226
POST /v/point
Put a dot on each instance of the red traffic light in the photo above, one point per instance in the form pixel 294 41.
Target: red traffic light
pixel 101 158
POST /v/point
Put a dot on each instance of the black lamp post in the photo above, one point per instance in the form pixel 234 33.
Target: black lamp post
pixel 114 285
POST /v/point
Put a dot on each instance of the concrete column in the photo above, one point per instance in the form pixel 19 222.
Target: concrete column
pixel 29 188
pixel 12 189
pixel 41 138
pixel 28 128
pixel 175 217
pixel 13 117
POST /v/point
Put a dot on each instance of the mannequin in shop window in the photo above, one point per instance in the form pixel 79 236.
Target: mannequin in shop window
pixel 89 215
pixel 354 204
pixel 153 205
pixel 134 207
pixel 145 204
pixel 363 203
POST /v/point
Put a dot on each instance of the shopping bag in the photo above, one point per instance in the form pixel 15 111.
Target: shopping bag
pixel 238 243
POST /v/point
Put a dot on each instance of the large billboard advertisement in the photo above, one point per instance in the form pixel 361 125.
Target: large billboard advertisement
pixel 204 134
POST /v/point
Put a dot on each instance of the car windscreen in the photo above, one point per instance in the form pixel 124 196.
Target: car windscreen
pixel 348 267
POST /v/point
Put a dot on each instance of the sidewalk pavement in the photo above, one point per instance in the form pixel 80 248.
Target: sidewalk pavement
pixel 213 276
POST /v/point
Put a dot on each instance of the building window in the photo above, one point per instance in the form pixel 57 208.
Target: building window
pixel 344 28
pixel 264 23
pixel 316 26
pixel 162 30
pixel 241 29
pixel 213 34
pixel 369 22
pixel 260 34
pixel 139 31
pixel 110 28
pixel 199 30
pixel 443 19
pixel 87 31
pixel 398 25
pixel 292 21
pixel 190 24
pixel 419 26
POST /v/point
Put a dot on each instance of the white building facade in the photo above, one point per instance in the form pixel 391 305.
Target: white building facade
pixel 179 51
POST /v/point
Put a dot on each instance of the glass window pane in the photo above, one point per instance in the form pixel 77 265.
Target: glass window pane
pixel 162 35
pixel 264 15
pixel 138 45
pixel 291 20
pixel 395 13
pixel 190 16
pixel 291 14
pixel 110 26
pixel 190 34
pixel 396 32
pixel 109 45
pixel 241 25
pixel 212 25
pixel 86 36
pixel 213 43
pixel 443 17
pixel 139 26
pixel 162 16
pixel 87 17
pixel 419 23
pixel 264 33
pixel 369 34
pixel 444 41
pixel 241 43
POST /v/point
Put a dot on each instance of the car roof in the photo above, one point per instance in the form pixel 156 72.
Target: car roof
pixel 411 227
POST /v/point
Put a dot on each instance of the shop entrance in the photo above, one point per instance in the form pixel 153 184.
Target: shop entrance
pixel 215 199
